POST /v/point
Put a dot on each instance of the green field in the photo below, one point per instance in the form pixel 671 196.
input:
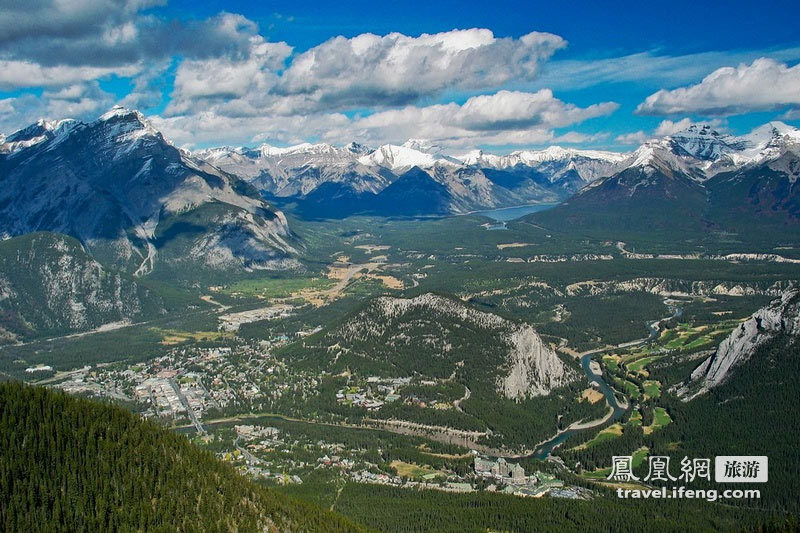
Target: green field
pixel 660 419
pixel 611 432
pixel 276 287
pixel 637 458
pixel 652 389
pixel 638 366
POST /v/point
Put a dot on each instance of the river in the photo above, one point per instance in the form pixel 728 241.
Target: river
pixel 543 450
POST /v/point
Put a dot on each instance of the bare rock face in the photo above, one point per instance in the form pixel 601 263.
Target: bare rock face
pixel 781 316
pixel 535 368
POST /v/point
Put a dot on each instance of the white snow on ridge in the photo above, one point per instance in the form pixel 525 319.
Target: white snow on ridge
pixel 766 142
pixel 402 157
pixel 533 157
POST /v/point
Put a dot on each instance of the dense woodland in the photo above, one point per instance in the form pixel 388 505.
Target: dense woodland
pixel 69 464
pixel 397 509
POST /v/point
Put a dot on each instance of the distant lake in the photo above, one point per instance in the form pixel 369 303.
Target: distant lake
pixel 510 213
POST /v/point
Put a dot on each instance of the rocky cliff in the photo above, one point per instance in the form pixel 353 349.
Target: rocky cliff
pixel 781 316
pixel 49 285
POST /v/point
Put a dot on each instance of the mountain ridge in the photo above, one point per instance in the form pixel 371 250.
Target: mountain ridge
pixel 110 183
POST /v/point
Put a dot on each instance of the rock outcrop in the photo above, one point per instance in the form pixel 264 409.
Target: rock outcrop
pixel 50 285
pixel 535 368
pixel 782 316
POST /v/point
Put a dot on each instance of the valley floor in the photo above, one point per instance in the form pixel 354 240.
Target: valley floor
pixel 236 374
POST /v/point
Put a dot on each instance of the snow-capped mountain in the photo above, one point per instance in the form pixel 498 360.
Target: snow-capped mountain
pixel 765 143
pixel 132 198
pixel 298 170
pixel 588 164
pixel 347 179
pixel 410 154
pixel 703 152
pixel 356 177
pixel 697 180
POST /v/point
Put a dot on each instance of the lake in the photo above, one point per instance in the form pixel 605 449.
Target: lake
pixel 510 213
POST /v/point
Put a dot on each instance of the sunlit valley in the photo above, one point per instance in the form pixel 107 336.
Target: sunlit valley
pixel 445 334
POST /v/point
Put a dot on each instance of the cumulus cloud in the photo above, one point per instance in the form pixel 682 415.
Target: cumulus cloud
pixel 243 83
pixel 634 138
pixel 209 126
pixel 18 74
pixel 765 84
pixel 364 71
pixel 230 84
pixel 506 117
pixel 503 118
pixel 520 110
pixel 669 127
pixel 80 100
pixel 149 86
pixel 396 69
pixel 66 19
pixel 54 43
pixel 88 39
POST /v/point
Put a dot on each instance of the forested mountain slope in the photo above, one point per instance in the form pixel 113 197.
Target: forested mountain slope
pixel 69 464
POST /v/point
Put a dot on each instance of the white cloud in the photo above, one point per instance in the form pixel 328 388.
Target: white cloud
pixel 503 118
pixel 232 85
pixel 148 86
pixel 366 71
pixel 765 84
pixel 650 68
pixel 397 69
pixel 243 83
pixel 81 100
pixel 669 127
pixel 209 126
pixel 506 117
pixel 518 110
pixel 78 40
pixel 633 139
pixel 67 18
pixel 17 74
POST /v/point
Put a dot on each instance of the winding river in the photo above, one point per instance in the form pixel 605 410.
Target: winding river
pixel 544 449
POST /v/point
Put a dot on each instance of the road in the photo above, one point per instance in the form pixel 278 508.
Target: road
pixel 189 411
pixel 249 457
pixel 457 403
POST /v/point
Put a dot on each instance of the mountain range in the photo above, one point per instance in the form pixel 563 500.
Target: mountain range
pixel 135 201
pixel 695 181
pixel 325 180
pixel 699 178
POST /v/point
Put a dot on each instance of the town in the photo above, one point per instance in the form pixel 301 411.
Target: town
pixel 194 386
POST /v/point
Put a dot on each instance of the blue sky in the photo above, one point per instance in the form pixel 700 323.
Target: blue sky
pixel 235 72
